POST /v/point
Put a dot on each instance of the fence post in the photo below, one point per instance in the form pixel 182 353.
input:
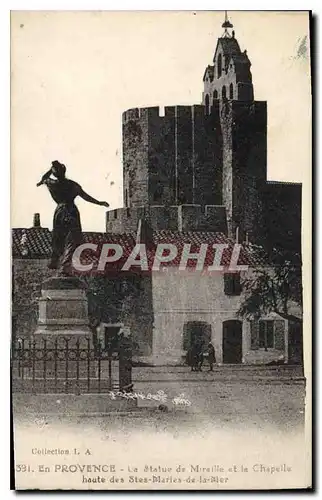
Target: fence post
pixel 99 367
pixel 55 361
pixel 33 361
pixel 66 364
pixel 77 388
pixel 45 365
pixel 125 364
pixel 19 356
pixel 88 364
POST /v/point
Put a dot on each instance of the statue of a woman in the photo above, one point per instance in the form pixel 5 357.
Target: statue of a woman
pixel 67 230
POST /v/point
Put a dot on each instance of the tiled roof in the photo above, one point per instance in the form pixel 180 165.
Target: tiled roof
pixel 230 47
pixel 32 242
pixel 249 254
pixel 36 243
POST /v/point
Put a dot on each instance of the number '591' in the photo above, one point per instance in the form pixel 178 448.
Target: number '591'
pixel 23 468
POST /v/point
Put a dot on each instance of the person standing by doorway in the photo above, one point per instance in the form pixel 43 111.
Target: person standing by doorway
pixel 199 355
pixel 211 356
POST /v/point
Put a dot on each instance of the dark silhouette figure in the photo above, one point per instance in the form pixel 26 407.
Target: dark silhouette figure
pixel 199 357
pixel 67 230
pixel 211 356
pixel 195 357
pixel 191 358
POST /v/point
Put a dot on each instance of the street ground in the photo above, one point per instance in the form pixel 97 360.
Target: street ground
pixel 259 398
pixel 175 397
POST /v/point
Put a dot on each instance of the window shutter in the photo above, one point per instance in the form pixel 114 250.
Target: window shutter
pixel 279 330
pixel 186 337
pixel 254 331
pixel 232 284
pixel 237 284
pixel 227 284
pixel 270 334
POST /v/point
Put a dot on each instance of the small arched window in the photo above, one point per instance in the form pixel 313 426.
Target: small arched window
pixel 223 92
pixel 231 91
pixel 219 66
pixel 215 94
pixel 207 104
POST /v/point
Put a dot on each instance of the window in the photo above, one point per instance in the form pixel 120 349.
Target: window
pixel 215 94
pixel 126 198
pixel 231 91
pixel 223 92
pixel 207 104
pixel 219 66
pixel 115 213
pixel 232 284
pixel 128 212
pixel 267 334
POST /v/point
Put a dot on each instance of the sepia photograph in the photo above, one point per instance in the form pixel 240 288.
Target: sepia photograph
pixel 161 178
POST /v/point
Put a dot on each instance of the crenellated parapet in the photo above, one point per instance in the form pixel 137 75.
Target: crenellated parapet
pixel 180 218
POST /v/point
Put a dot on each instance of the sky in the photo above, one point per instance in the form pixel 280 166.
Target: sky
pixel 74 73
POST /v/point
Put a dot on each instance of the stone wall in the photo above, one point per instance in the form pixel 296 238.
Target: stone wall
pixel 27 277
pixel 172 158
pixel 282 214
pixel 244 129
pixel 135 157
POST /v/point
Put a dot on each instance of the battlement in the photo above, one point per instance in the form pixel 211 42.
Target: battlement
pixel 181 218
pixel 192 111
pixel 136 114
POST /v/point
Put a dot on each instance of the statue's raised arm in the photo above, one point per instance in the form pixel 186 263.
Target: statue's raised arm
pixel 44 178
pixel 90 199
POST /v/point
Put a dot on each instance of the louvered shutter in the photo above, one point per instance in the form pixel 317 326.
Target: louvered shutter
pixel 254 331
pixel 279 332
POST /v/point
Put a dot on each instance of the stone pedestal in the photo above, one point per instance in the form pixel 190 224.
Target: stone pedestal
pixel 63 309
pixel 62 349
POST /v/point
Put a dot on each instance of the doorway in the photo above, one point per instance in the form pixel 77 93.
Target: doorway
pixel 232 341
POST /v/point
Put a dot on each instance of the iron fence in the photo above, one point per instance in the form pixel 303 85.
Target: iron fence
pixel 66 365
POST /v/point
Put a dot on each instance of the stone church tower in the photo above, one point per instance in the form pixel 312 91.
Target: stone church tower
pixel 243 124
pixel 203 167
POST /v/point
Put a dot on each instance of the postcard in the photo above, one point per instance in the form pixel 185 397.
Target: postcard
pixel 161 250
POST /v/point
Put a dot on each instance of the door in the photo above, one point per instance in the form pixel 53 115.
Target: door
pixel 232 341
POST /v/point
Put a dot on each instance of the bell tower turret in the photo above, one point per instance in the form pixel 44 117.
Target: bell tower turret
pixel 229 78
